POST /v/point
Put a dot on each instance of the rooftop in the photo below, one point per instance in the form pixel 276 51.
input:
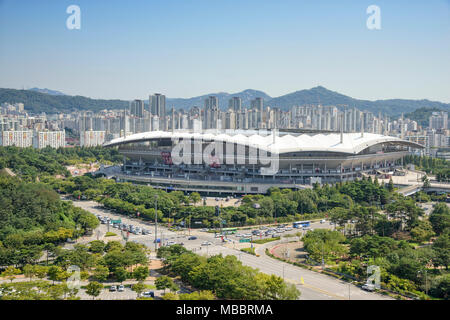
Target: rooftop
pixel 281 143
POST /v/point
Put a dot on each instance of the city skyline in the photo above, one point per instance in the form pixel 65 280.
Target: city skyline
pixel 187 49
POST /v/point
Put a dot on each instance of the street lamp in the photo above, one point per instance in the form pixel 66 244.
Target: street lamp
pixel 349 288
pixel 426 280
pixel 323 261
pixel 156 223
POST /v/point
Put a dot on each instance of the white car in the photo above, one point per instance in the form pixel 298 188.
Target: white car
pixel 368 287
pixel 206 243
pixel 322 221
pixel 148 294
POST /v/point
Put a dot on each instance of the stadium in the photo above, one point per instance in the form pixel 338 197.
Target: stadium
pixel 251 161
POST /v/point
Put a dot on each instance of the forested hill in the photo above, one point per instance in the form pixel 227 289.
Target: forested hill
pixel 422 115
pixel 37 102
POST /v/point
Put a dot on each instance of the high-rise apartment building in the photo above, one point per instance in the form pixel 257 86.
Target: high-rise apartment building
pixel 137 108
pixel 92 138
pixel 158 108
pixel 53 139
pixel 235 104
pixel 22 139
pixel 211 113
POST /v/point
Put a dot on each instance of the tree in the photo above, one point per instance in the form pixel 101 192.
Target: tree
pixel 441 287
pixel 28 271
pixel 94 289
pixel 196 295
pixel 141 273
pixel 406 211
pixel 173 296
pixel 138 288
pixel 57 291
pixel 165 282
pixel 195 197
pixel 101 273
pixel 56 273
pixel 11 273
pixel 440 218
pixel 275 288
pixel 390 186
pixel 120 274
pixel 326 244
pixel 40 271
pixel 441 249
pixel 97 246
pixel 113 245
pixel 339 216
pixel 423 231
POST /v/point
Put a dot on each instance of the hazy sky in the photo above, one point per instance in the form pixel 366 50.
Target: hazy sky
pixel 183 48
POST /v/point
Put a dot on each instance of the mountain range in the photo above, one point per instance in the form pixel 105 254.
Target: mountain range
pixel 50 101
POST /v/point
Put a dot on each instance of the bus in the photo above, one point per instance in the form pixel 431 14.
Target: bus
pixel 300 224
pixel 229 230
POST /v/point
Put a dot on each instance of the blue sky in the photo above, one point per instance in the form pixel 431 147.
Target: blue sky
pixel 129 49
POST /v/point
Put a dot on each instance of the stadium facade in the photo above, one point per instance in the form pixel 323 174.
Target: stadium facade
pixel 249 161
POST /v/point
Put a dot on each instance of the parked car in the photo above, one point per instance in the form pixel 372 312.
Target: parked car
pixel 322 221
pixel 148 294
pixel 120 288
pixel 192 238
pixel 113 288
pixel 368 287
pixel 206 243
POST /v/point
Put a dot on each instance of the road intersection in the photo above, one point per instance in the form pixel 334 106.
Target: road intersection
pixel 315 286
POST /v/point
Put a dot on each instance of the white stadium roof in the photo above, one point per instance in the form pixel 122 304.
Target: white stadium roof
pixel 353 143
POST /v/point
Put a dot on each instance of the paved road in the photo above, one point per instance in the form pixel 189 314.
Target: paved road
pixel 316 286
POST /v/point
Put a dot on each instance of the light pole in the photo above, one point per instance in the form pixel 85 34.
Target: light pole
pixel 349 288
pixel 426 281
pixel 323 261
pixel 156 223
